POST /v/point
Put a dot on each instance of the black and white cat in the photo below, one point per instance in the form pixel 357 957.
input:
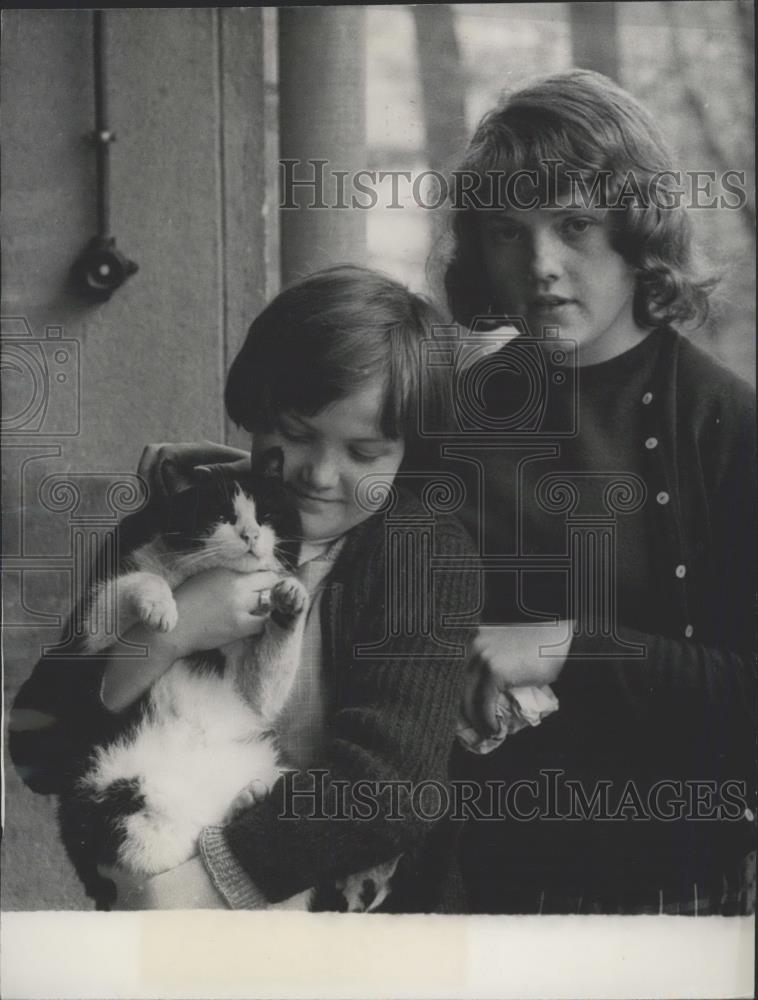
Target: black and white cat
pixel 201 743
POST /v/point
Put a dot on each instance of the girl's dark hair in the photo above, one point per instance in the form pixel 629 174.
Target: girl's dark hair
pixel 327 335
pixel 595 130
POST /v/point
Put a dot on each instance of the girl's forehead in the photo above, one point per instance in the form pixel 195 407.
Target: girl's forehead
pixel 357 415
pixel 548 212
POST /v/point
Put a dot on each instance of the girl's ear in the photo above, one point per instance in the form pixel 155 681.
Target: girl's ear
pixel 271 464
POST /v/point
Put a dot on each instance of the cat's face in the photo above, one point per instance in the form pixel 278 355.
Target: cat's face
pixel 243 537
pixel 246 523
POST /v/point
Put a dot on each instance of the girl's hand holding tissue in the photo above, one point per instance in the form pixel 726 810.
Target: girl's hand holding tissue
pixel 507 680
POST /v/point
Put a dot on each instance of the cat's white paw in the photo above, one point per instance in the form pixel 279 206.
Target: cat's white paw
pixel 289 599
pixel 162 618
pixel 249 795
pixel 157 607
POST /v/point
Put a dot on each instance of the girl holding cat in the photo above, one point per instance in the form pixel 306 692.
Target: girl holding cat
pixel 330 374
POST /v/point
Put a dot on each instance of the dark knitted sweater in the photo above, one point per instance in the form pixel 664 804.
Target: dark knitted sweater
pixel 394 712
pixel 669 416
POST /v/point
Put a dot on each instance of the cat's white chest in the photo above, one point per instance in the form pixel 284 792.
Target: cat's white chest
pixel 198 745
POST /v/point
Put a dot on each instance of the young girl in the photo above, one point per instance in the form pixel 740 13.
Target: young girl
pixel 618 515
pixel 330 373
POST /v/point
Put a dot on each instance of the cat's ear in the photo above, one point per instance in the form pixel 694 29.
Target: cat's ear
pixel 271 464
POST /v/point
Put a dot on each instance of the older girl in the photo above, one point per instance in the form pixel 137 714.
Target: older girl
pixel 618 517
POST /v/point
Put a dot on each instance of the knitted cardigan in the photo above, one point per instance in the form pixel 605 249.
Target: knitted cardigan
pixel 686 710
pixel 700 677
pixel 393 720
pixel 391 728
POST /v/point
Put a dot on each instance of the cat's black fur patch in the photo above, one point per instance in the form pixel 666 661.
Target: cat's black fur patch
pixel 211 661
pixel 92 832
pixel 368 892
pixel 329 899
pixel 123 797
pixel 191 516
pixel 184 520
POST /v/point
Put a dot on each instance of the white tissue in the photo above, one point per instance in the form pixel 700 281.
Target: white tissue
pixel 516 709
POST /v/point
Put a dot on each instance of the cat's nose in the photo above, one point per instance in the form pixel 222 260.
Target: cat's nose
pixel 250 536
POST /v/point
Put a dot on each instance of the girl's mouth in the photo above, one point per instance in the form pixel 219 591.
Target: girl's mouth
pixel 309 499
pixel 550 303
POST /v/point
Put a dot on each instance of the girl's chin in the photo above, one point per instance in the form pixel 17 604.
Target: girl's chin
pixel 318 528
pixel 322 528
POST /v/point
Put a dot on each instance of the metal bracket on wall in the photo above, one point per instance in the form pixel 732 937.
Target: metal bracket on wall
pixel 101 268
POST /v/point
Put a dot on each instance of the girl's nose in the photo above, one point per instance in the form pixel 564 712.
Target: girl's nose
pixel 546 257
pixel 321 473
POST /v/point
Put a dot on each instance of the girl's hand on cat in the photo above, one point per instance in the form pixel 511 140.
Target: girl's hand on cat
pixel 508 656
pixel 169 468
pixel 219 606
pixel 256 791
pixel 214 608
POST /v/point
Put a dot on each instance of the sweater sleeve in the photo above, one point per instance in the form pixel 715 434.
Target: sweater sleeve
pixel 393 728
pixel 229 878
pixel 694 702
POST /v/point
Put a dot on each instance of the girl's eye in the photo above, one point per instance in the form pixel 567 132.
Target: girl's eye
pixel 504 232
pixel 361 456
pixel 576 226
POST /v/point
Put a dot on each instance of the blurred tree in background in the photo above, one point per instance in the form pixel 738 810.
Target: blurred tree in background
pixel 433 70
pixel 443 85
pixel 594 37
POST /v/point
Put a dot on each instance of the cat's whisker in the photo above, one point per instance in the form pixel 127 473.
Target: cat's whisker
pixel 292 538
pixel 207 554
pixel 223 550
pixel 189 551
pixel 193 557
pixel 207 541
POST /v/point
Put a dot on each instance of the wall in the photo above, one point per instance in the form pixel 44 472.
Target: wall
pixel 191 179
